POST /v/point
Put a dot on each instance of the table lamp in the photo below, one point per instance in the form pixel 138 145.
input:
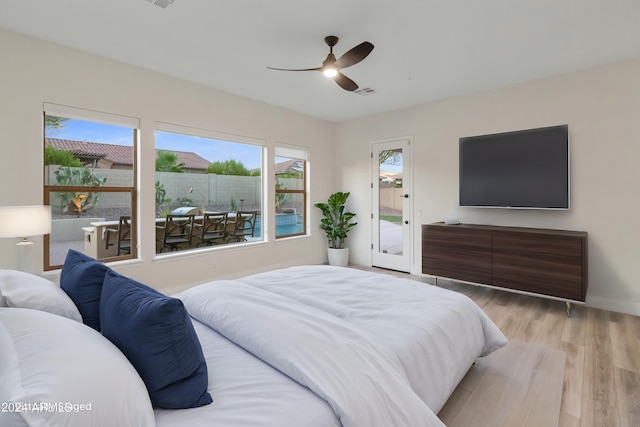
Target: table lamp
pixel 25 221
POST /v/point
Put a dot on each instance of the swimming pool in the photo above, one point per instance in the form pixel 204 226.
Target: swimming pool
pixel 285 224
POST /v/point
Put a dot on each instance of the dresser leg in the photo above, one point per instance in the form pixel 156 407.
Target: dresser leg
pixel 569 306
pixel 435 281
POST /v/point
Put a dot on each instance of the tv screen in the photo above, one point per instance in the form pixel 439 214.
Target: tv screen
pixel 521 169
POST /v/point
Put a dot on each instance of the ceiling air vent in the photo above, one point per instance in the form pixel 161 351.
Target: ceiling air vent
pixel 365 91
pixel 162 3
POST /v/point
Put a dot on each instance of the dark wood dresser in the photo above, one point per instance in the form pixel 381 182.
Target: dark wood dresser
pixel 550 263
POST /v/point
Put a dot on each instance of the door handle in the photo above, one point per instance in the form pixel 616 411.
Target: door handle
pixel 406 221
pixel 404 196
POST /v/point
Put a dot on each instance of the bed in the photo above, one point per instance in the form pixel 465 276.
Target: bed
pixel 305 346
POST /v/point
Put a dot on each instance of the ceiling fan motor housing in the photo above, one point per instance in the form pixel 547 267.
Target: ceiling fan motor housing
pixel 331 40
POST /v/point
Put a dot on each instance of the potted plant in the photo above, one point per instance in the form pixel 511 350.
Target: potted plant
pixel 336 223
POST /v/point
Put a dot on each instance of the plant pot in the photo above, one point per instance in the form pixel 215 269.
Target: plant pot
pixel 338 257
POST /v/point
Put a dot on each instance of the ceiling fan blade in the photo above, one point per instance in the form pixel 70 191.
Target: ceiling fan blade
pixel 345 82
pixel 355 55
pixel 301 69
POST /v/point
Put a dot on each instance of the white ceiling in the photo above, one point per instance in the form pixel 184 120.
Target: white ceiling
pixel 425 50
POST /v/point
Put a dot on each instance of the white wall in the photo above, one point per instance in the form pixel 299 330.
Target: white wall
pixel 34 72
pixel 601 107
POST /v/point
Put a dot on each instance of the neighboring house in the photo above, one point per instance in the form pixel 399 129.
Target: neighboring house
pixel 112 156
pixel 288 166
pixel 391 178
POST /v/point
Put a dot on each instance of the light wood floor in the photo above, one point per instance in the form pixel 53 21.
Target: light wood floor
pixel 602 370
pixel 519 385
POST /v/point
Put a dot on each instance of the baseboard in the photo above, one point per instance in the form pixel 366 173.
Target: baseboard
pixel 627 307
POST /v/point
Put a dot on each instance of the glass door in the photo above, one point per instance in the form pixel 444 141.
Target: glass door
pixel 391 188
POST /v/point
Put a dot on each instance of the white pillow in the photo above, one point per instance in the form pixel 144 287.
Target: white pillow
pixel 24 290
pixel 71 373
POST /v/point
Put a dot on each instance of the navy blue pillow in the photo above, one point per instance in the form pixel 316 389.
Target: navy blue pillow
pixel 155 332
pixel 81 278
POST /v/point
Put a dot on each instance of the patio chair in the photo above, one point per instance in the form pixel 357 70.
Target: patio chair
pixel 212 229
pixel 244 224
pixel 122 236
pixel 176 231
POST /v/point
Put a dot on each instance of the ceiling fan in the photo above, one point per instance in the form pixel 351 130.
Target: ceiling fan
pixel 331 66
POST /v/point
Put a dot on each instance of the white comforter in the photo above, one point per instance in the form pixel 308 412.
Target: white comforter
pixel 437 334
pixel 320 325
pixel 247 393
pixel 364 385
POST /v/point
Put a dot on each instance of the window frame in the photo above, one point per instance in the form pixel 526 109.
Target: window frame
pixel 293 153
pixel 75 113
pixel 191 131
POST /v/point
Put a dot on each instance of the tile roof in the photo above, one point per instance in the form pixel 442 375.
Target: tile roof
pixel 120 154
pixel 288 166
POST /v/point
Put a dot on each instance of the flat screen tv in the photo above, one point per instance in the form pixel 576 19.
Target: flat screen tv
pixel 526 169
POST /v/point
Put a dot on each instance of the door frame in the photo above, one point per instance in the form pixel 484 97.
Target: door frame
pixel 393 262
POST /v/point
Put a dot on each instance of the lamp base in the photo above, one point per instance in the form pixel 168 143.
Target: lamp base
pixel 25 256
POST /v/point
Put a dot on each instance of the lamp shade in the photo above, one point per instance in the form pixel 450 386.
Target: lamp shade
pixel 25 221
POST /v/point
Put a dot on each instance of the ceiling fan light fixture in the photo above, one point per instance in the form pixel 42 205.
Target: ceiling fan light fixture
pixel 330 72
pixel 332 67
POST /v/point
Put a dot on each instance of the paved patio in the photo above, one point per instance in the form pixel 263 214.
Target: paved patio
pixel 390 237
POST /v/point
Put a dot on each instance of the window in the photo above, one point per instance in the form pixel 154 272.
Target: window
pixel 90 183
pixel 291 192
pixel 208 184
